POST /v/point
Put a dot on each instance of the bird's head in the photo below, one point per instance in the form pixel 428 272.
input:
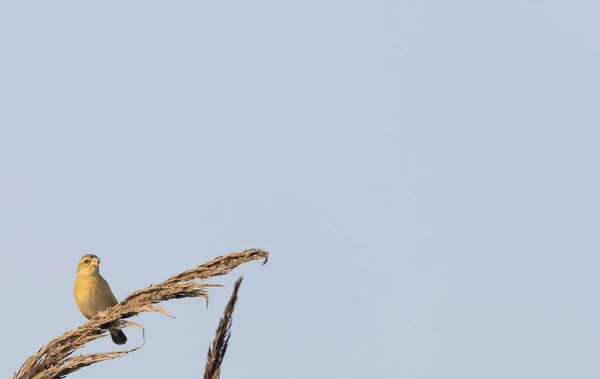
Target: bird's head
pixel 89 264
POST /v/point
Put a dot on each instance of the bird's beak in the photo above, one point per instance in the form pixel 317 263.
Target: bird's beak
pixel 95 261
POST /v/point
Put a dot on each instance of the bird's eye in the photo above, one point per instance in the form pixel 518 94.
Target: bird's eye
pixel 86 261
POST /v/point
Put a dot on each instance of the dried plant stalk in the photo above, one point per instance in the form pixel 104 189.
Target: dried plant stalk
pixel 216 353
pixel 55 360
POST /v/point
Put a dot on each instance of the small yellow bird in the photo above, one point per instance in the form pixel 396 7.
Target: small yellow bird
pixel 92 293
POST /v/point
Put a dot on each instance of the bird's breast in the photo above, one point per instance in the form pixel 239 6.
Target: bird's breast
pixel 90 295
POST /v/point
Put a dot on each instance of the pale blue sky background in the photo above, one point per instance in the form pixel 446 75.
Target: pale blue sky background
pixel 424 174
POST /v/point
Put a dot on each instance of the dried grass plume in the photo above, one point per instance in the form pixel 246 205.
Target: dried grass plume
pixel 56 360
pixel 216 352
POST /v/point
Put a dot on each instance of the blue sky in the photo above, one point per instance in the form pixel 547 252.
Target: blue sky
pixel 424 174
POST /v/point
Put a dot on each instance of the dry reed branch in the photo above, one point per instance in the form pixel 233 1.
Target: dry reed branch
pixel 55 360
pixel 216 353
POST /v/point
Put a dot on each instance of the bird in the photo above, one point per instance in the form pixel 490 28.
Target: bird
pixel 93 295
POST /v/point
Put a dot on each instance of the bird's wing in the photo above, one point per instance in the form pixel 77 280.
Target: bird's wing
pixel 110 298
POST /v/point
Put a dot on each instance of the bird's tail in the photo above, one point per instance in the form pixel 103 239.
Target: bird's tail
pixel 117 336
